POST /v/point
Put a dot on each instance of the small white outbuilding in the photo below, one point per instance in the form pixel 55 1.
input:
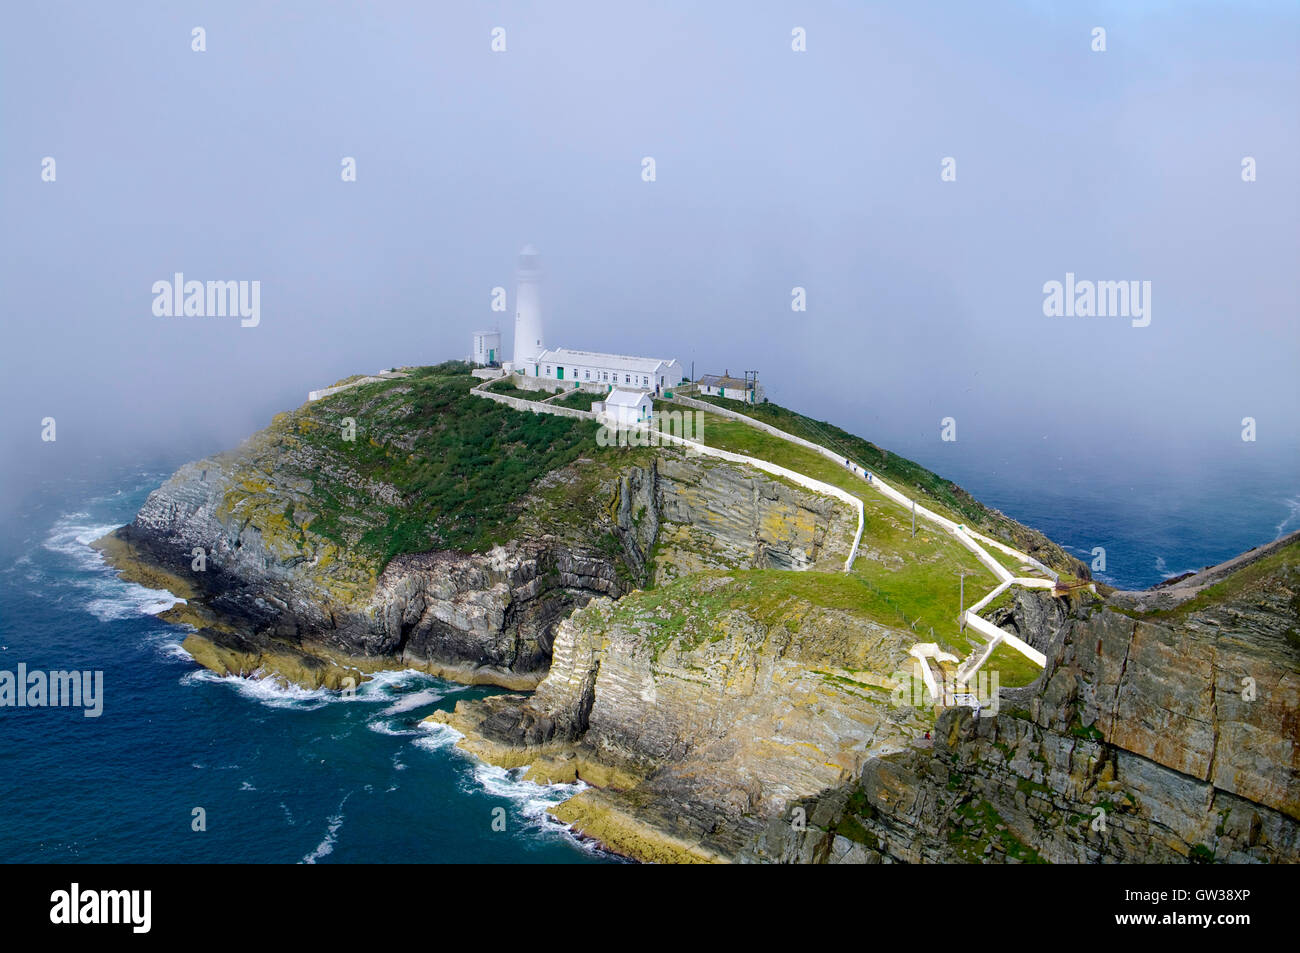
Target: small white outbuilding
pixel 487 348
pixel 629 407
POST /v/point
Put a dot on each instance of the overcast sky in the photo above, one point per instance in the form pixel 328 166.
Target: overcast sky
pixel 775 169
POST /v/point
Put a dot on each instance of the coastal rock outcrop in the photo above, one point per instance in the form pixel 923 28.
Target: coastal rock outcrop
pixel 236 533
pixel 1148 739
pixel 712 703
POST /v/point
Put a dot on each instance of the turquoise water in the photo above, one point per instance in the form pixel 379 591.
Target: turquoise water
pixel 283 775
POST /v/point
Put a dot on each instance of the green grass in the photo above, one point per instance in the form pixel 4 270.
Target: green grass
pixel 1016 567
pixel 460 464
pixel 578 400
pixel 918 580
pixel 970 845
pixel 688 608
pixel 1284 562
pixel 1004 600
pixel 1014 670
pixel 942 496
pixel 505 388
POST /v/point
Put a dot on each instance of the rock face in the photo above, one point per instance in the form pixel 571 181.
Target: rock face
pixel 722 706
pixel 1147 740
pixel 712 704
pixel 478 617
pixel 721 515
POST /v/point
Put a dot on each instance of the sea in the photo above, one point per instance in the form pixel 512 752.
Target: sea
pixel 279 775
pixel 182 766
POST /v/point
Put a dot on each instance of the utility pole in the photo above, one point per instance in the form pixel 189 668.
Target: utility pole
pixel 961 612
pixel 914 519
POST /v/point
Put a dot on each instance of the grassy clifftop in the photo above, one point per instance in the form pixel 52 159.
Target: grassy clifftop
pixel 429 465
pixel 943 496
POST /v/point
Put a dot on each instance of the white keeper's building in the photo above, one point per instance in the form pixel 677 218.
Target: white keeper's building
pixel 611 370
pixel 748 391
pixel 487 349
pixel 628 407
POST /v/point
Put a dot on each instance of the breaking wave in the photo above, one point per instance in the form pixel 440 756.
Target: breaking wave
pixel 109 597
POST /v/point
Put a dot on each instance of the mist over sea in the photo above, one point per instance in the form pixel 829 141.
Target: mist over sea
pixel 1153 524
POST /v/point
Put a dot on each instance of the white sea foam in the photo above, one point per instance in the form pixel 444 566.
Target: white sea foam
pixel 1163 569
pixel 529 798
pixel 395 729
pixel 437 736
pixel 1292 518
pixel 413 700
pixel 326 846
pixel 377 689
pixel 172 649
pixel 111 598
pixel 265 691
pixel 532 801
pixel 130 602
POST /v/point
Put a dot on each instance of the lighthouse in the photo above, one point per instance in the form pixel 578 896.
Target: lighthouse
pixel 528 309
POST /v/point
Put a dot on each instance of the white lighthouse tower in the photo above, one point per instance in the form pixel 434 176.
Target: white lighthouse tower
pixel 528 309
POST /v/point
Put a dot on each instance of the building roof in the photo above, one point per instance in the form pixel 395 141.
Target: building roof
pixel 564 355
pixel 621 397
pixel 722 380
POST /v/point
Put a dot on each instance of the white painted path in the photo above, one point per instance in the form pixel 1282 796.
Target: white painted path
pixel 968 538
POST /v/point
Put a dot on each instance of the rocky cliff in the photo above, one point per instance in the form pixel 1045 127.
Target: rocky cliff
pixel 1159 737
pixel 704 707
pixel 742 717
pixel 280 545
pixel 696 653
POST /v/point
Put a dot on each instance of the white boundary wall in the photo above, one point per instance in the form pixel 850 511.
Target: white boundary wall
pixel 805 481
pixel 1015 554
pixel 329 391
pixel 532 406
pixel 799 478
pixel 1017 643
pixel 964 536
pixel 956 529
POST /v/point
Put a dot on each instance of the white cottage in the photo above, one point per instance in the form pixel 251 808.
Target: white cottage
pixel 610 370
pixel 748 391
pixel 487 348
pixel 629 407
